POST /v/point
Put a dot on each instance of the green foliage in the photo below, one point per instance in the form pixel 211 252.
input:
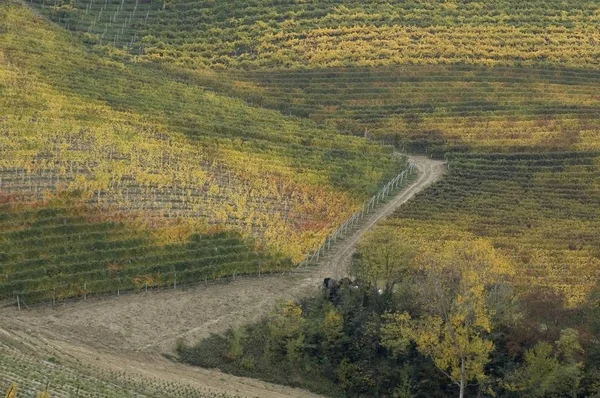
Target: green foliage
pixel 457 332
pixel 548 372
pixel 333 349
pixel 382 259
pixel 54 252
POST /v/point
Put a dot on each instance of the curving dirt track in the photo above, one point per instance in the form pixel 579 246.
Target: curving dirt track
pixel 130 333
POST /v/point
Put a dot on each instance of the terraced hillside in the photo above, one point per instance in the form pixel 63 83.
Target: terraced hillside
pixel 63 378
pixel 82 131
pixel 436 76
pixel 441 108
pixel 316 34
pixel 147 142
pixel 542 210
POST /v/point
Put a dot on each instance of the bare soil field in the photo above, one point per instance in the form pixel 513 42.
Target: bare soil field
pixel 132 333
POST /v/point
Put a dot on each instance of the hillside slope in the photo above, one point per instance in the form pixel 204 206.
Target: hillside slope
pixel 82 131
pixel 123 339
pixel 430 76
pixel 541 210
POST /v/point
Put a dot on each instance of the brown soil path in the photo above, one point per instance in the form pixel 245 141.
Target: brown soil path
pixel 130 333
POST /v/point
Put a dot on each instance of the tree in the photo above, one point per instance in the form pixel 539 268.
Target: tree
pixel 286 335
pixel 383 257
pixel 451 281
pixel 549 372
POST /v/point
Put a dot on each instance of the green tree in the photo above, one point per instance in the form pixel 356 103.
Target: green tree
pixel 549 372
pixel 286 335
pixel 382 259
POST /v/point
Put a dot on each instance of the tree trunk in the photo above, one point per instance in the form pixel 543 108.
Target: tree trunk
pixel 462 378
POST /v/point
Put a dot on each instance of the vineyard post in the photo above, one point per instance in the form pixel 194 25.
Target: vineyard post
pixel 146 287
pixel 84 291
pixel 18 303
pixel 54 295
pixel 259 270
pixel 175 281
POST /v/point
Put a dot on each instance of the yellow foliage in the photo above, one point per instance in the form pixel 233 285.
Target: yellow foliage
pixel 12 391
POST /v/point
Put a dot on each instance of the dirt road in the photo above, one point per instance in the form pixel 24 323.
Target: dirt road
pixel 130 333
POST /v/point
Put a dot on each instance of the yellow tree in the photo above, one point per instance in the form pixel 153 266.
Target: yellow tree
pixel 452 280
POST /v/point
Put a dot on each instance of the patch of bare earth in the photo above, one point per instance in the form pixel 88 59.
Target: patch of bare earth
pixel 130 333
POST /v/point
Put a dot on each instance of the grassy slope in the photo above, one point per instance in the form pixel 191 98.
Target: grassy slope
pixel 137 142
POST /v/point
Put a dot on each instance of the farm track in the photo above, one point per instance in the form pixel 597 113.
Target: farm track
pixel 131 333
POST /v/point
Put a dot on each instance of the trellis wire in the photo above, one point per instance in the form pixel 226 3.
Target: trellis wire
pixel 366 208
pixel 340 232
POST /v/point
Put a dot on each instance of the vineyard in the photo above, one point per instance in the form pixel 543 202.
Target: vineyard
pixel 437 108
pixel 168 156
pixel 50 253
pixel 324 34
pixel 154 144
pixel 33 374
pixel 507 76
pixel 540 209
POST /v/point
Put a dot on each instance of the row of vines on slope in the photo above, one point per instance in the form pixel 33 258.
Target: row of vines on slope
pixel 134 139
pixel 330 34
pixel 541 210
